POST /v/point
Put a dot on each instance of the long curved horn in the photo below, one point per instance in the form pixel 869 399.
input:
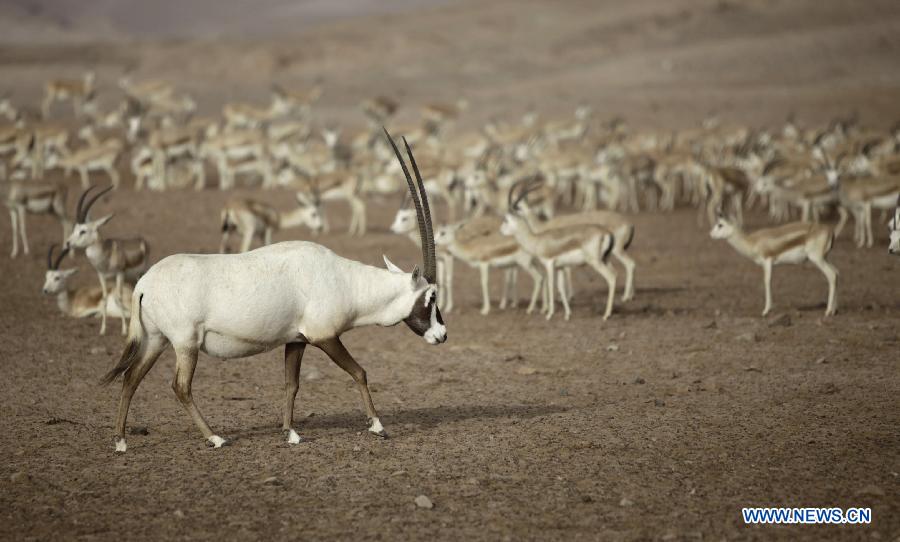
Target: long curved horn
pixel 78 216
pixel 87 206
pixel 50 256
pixel 413 195
pixel 59 259
pixel 431 262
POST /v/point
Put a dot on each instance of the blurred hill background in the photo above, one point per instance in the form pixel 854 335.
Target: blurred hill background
pixel 660 62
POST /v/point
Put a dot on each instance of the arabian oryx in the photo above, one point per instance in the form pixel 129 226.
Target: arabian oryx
pixel 293 293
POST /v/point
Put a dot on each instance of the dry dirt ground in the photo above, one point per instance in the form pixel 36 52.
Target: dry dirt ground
pixel 661 423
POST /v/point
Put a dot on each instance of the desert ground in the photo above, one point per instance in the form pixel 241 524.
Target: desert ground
pixel 658 424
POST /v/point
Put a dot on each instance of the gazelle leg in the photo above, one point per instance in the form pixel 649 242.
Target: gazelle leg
pixel 831 275
pixel 608 274
pixel 185 363
pixel 767 282
pixel 569 286
pixel 484 269
pixel 85 181
pixel 505 291
pixel 22 230
pixel 120 277
pixel 102 303
pixel 561 286
pixel 513 289
pixel 113 176
pixel 448 283
pixel 267 237
pixel 247 240
pixel 338 354
pixel 150 351
pixel 551 271
pixel 224 245
pixel 293 355
pixel 537 279
pixel 628 263
pixel 14 220
pixel 870 238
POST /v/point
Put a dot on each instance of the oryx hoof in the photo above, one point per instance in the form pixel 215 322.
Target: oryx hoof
pixel 377 429
pixel 120 445
pixel 216 441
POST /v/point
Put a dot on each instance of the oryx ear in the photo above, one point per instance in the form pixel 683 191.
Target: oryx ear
pixel 416 274
pixel 390 265
pixel 103 220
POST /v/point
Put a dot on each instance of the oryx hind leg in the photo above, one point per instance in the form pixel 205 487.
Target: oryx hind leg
pixel 335 350
pixel 185 363
pixel 149 352
pixel 293 356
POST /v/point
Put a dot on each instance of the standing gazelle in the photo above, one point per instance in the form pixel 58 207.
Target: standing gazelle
pixel 792 243
pixel 35 197
pixel 894 247
pixel 108 257
pixel 562 247
pixel 293 293
pixel 251 218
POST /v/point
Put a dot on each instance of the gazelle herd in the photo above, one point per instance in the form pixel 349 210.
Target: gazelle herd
pixel 543 196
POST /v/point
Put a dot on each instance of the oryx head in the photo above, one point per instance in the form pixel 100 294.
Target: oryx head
pixel 425 316
pixel 894 247
pixel 54 279
pixel 517 204
pixel 86 232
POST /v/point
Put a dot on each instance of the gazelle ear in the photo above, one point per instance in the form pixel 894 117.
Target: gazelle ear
pixel 304 200
pixel 69 272
pixel 390 265
pixel 103 220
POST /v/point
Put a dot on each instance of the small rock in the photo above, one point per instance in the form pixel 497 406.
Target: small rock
pixel 711 325
pixel 659 402
pixel 753 369
pixel 626 502
pixel 749 337
pixel 872 490
pixel 313 374
pixel 424 502
pixel 829 388
pixel 563 392
pixel 140 431
pixel 821 360
pixel 586 499
pixel 271 481
pixel 612 348
pixel 781 321
pixel 398 473
pixel 526 371
pixel 98 350
pixel 357 449
pixel 639 380
pixel 515 357
pixel 179 514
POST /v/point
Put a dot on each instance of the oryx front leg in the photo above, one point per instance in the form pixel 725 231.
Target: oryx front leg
pixel 293 356
pixel 185 363
pixel 335 350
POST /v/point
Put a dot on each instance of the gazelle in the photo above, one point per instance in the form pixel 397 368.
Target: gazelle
pixel 80 302
pixel 101 157
pixel 894 226
pixel 108 257
pixel 620 227
pixel 562 247
pixel 792 243
pixel 34 197
pixel 292 100
pixel 315 296
pixel 78 92
pixel 251 218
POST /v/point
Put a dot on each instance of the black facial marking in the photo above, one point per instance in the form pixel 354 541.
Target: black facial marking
pixel 419 320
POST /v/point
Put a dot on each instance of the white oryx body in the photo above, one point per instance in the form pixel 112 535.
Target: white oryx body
pixel 293 293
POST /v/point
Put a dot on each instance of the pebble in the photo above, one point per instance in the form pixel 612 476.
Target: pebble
pixel 140 431
pixel 626 502
pixel 178 514
pixel 98 350
pixel 749 337
pixel 781 321
pixel 424 502
pixel 612 348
